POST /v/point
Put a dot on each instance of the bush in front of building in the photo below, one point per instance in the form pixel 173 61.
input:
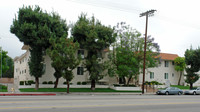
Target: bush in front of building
pixel 79 83
pixel 50 82
pixel 29 82
pixel 21 83
pixel 45 82
pixel 84 83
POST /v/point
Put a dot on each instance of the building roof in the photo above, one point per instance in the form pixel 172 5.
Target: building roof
pixel 167 56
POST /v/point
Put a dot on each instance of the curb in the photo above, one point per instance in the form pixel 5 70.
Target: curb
pixel 26 94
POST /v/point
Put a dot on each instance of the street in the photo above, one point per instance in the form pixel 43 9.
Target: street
pixel 100 103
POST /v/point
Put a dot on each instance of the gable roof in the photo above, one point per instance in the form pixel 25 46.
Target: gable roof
pixel 167 56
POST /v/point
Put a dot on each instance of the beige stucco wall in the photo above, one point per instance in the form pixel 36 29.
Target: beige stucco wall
pixel 48 76
pixel 159 74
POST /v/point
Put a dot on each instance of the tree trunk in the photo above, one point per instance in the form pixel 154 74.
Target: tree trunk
pixel 56 83
pixel 36 83
pixel 179 81
pixel 67 86
pixel 129 79
pixel 191 85
pixel 93 84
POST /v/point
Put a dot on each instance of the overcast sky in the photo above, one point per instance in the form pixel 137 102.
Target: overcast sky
pixel 175 26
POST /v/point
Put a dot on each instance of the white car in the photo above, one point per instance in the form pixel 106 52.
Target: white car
pixel 193 91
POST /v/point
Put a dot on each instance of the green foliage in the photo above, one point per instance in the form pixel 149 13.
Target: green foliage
pixel 84 83
pixel 179 63
pixel 34 27
pixel 4 58
pixel 63 55
pixel 192 59
pixel 45 82
pixel 9 73
pixel 78 83
pixel 50 82
pixel 65 83
pixel 29 82
pixel 180 66
pixel 126 60
pixel 21 83
pixel 93 37
pixel 3 88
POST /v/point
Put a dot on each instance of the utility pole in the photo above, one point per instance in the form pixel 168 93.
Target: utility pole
pixel 147 14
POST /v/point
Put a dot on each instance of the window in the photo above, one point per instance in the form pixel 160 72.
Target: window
pixel 172 74
pixel 25 71
pixel 16 70
pixel 166 64
pixel 80 71
pixel 166 76
pixel 81 53
pixel 151 75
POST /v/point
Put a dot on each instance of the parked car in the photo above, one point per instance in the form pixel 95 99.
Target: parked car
pixel 170 90
pixel 193 91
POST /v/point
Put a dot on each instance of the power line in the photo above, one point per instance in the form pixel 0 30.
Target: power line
pixel 134 10
pixel 114 6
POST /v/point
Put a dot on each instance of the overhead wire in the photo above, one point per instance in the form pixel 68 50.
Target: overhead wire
pixel 134 10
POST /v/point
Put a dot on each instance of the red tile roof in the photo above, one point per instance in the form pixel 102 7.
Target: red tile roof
pixel 167 56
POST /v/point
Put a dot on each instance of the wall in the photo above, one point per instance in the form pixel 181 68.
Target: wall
pixel 159 74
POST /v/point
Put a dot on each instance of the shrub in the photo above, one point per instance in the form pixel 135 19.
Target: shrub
pixel 50 82
pixel 78 83
pixel 3 86
pixel 45 82
pixel 147 83
pixel 155 83
pixel 116 85
pixel 30 82
pixel 84 83
pixel 21 83
pixel 65 83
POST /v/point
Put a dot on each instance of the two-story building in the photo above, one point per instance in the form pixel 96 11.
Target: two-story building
pixel 163 73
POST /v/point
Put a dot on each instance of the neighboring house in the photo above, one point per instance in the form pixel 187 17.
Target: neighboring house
pixel 164 72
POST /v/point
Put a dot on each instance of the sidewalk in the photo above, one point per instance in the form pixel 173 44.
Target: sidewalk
pixel 64 93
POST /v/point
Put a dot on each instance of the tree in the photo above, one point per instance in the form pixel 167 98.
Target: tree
pixel 127 56
pixel 34 27
pixel 180 66
pixel 192 60
pixel 3 62
pixel 10 72
pixel 64 59
pixel 93 37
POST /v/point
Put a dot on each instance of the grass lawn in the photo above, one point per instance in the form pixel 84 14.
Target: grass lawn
pixel 72 90
pixel 181 87
pixel 3 88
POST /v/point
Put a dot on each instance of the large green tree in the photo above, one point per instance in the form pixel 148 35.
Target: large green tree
pixel 192 60
pixel 10 72
pixel 34 27
pixel 127 56
pixel 64 58
pixel 93 37
pixel 180 66
pixel 3 62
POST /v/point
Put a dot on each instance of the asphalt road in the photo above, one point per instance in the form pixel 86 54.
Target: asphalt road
pixel 100 103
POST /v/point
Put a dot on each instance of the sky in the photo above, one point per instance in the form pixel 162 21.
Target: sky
pixel 175 25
